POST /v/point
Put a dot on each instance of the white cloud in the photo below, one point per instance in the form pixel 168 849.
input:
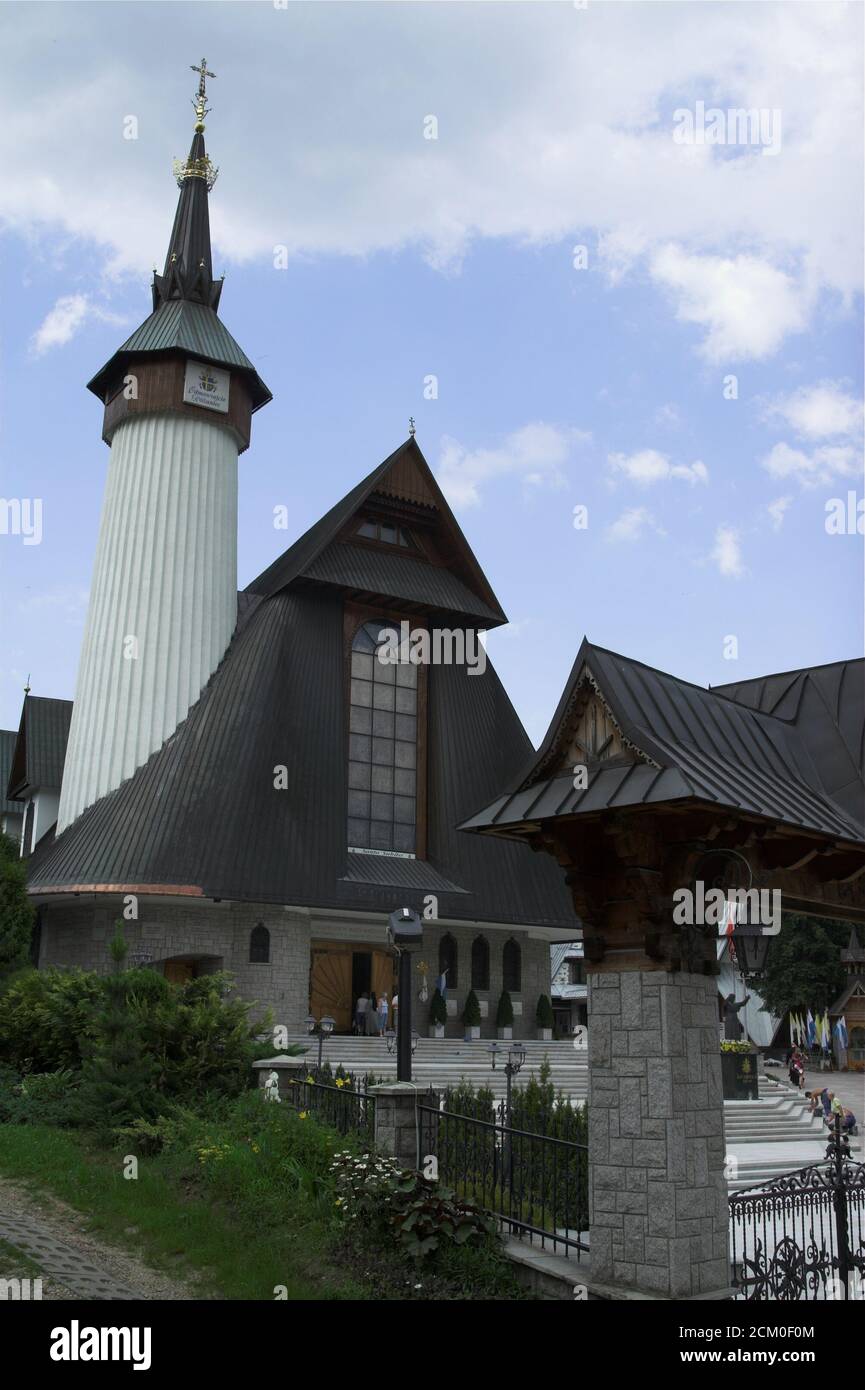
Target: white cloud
pixel 822 411
pixel 63 321
pixel 631 525
pixel 647 467
pixel 537 454
pixel 727 552
pixel 746 305
pixel 777 510
pixel 821 465
pixel 577 143
pixel 668 416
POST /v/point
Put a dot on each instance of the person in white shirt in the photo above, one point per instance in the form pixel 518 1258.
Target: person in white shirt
pixel 360 1013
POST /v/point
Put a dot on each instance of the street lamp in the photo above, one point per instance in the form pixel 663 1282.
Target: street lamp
pixel 751 945
pixel 516 1056
pixel 322 1027
pixel 405 934
pixel 390 1038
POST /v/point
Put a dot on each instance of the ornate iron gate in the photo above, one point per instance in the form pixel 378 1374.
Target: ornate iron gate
pixel 802 1236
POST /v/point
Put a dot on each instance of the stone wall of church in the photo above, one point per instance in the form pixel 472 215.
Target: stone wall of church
pixel 535 978
pixel 217 935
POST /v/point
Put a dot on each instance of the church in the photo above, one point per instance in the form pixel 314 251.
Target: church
pixel 243 779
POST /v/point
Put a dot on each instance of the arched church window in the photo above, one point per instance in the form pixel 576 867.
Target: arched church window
pixel 512 967
pixel 449 960
pixel 480 963
pixel 383 742
pixel 259 945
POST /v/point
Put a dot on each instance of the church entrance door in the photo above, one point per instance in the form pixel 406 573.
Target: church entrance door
pixel 340 972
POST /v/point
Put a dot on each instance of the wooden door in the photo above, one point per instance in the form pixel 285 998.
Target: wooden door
pixel 330 985
pixel 383 975
pixel 178 971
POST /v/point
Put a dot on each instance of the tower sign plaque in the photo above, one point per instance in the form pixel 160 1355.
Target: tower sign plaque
pixel 207 386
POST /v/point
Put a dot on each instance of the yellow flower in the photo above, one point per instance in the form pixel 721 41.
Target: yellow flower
pixel 311 1079
pixel 304 1115
pixel 340 1083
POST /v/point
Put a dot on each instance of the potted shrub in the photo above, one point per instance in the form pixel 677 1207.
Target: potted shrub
pixel 544 1019
pixel 472 1016
pixel 505 1016
pixel 438 1015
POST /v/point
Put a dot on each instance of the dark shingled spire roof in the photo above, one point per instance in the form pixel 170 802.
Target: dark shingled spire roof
pixel 185 295
pixel 188 272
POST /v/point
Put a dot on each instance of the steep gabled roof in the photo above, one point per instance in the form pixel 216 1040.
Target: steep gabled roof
pixel 202 816
pixel 40 746
pixel 826 706
pixel 674 742
pixel 8 739
pixel 320 556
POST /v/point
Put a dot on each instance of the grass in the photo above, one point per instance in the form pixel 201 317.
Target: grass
pixel 161 1218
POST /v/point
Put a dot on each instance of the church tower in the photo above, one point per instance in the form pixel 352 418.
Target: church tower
pixel 178 396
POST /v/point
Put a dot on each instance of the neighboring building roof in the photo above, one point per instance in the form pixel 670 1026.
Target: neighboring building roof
pixel 855 985
pixel 853 953
pixel 8 739
pixel 680 743
pixel 202 816
pixel 40 745
pixel 826 706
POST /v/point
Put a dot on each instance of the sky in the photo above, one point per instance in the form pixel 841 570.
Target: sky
pixel 627 324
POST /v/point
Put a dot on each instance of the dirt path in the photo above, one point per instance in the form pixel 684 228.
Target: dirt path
pixel 73 1263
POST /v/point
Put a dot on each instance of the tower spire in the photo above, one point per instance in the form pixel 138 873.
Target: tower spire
pixel 188 272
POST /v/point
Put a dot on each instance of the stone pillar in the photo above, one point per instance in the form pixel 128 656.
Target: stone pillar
pixel 658 1198
pixel 400 1130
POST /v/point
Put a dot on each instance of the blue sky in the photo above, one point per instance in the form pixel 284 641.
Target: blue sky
pixel 408 257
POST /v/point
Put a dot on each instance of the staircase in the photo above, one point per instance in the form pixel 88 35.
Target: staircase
pixel 442 1062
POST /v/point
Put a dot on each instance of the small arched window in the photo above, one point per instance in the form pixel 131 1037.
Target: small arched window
pixel 480 963
pixel 512 967
pixel 448 960
pixel 259 945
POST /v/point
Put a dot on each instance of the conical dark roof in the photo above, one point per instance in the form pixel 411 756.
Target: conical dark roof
pixel 188 272
pixel 185 295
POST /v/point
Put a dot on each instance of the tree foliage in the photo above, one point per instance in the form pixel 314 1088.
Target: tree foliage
pixel 16 912
pixel 803 966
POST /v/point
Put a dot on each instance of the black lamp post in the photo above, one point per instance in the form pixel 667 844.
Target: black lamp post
pixel 516 1056
pixel 405 934
pixel 323 1027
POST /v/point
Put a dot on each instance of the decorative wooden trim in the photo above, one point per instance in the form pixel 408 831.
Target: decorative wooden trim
pixel 160 392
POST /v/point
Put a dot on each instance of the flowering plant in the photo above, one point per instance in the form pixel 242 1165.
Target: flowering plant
pixel 374 1191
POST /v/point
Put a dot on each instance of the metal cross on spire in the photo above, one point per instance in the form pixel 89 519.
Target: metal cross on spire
pixel 411 426
pixel 199 102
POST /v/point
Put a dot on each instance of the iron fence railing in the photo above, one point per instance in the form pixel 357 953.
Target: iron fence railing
pixel 536 1185
pixel 346 1108
pixel 801 1237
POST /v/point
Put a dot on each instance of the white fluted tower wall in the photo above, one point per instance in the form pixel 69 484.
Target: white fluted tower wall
pixel 163 601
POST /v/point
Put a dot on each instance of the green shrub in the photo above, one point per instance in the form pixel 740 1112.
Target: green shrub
pixel 505 1011
pixel 438 1009
pixel 472 1011
pixel 37 1098
pixel 544 1012
pixel 46 1017
pixel 16 911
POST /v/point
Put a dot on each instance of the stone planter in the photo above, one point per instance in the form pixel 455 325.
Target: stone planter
pixel 436 1030
pixel 739 1075
pixel 545 1034
pixel 504 1033
pixel 472 1032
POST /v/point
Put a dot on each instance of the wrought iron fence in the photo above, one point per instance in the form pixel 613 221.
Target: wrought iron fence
pixel 802 1236
pixel 536 1185
pixel 344 1105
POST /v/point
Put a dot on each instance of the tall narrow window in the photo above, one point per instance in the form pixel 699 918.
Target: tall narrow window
pixel 480 963
pixel 448 960
pixel 382 749
pixel 512 967
pixel 259 945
